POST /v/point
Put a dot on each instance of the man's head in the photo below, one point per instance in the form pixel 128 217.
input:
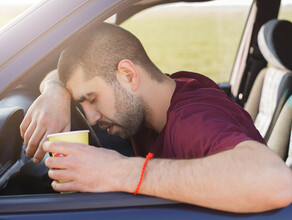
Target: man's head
pixel 94 70
pixel 99 52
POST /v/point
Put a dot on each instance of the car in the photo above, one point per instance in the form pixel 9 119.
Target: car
pixel 30 48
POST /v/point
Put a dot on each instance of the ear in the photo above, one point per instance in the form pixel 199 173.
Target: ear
pixel 127 73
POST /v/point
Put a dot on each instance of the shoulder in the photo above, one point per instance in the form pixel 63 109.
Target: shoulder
pixel 193 89
pixel 206 118
pixel 194 78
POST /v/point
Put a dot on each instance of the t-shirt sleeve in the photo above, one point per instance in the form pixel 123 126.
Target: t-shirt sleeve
pixel 201 130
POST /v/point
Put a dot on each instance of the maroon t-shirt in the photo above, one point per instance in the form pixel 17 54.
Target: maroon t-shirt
pixel 201 120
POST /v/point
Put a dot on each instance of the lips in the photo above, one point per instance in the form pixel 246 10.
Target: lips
pixel 104 125
pixel 110 130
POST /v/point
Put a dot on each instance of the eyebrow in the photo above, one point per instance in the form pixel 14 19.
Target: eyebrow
pixel 83 98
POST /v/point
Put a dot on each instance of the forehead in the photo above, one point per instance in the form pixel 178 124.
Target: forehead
pixel 80 87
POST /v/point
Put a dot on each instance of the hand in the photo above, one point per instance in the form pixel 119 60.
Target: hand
pixel 88 168
pixel 50 113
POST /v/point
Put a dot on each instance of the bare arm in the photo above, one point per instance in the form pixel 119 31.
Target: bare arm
pixel 248 178
pixel 51 78
pixel 49 113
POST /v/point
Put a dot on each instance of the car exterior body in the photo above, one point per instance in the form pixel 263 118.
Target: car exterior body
pixel 30 47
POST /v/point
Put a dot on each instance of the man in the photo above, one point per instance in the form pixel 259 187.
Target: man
pixel 206 149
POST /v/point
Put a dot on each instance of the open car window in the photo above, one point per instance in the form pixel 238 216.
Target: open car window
pixel 201 37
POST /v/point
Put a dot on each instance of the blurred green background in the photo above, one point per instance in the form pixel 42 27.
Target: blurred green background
pixel 204 41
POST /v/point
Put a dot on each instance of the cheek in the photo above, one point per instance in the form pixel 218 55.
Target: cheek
pixel 106 106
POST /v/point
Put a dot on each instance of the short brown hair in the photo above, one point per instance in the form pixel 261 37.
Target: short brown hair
pixel 99 52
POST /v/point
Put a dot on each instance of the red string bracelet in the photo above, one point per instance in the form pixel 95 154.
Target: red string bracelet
pixel 149 156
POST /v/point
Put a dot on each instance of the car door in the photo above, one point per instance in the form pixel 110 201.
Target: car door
pixel 23 63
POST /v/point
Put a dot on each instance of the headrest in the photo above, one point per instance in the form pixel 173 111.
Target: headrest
pixel 275 43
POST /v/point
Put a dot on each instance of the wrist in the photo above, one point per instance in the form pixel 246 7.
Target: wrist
pixel 129 175
pixel 50 84
pixel 148 156
pixel 54 86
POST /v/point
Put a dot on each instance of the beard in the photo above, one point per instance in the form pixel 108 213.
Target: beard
pixel 130 112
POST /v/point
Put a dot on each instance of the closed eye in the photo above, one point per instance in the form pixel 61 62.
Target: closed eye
pixel 92 101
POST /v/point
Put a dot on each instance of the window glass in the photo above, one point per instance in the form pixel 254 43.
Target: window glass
pixel 198 37
pixel 10 9
pixel 286 10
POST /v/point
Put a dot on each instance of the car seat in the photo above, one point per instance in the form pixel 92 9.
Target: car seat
pixel 282 135
pixel 272 86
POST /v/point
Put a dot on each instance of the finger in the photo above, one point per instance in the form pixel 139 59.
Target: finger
pixel 64 186
pixel 67 128
pixel 40 153
pixel 34 141
pixel 57 163
pixel 62 147
pixel 24 125
pixel 58 174
pixel 28 133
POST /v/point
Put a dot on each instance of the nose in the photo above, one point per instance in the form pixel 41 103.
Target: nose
pixel 91 114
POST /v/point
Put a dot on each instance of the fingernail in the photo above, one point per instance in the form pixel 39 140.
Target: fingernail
pixel 45 144
pixel 27 155
pixel 35 160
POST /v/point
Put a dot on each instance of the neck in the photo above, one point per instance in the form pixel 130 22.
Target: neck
pixel 158 100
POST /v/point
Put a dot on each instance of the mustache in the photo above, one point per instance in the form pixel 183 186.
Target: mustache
pixel 104 124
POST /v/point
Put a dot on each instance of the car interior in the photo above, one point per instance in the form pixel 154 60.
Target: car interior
pixel 264 90
pixel 272 86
